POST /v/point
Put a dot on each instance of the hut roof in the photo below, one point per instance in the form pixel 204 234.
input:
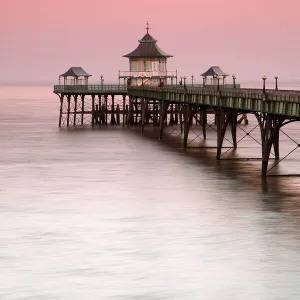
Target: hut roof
pixel 75 72
pixel 214 71
pixel 147 48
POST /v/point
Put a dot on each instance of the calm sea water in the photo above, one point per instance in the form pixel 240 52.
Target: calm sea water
pixel 111 214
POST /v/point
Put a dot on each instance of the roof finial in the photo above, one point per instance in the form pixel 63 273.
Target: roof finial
pixel 147 28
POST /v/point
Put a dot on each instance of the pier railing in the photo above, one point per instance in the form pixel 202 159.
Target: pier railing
pixel 283 102
pixel 147 74
pixel 93 88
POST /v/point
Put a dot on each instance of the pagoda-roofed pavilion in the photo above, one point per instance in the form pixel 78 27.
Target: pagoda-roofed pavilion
pixel 215 74
pixel 75 76
pixel 147 63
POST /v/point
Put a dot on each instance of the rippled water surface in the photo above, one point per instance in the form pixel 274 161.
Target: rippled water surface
pixel 111 214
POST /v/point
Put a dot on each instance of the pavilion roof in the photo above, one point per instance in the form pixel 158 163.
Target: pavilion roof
pixel 214 71
pixel 75 72
pixel 147 48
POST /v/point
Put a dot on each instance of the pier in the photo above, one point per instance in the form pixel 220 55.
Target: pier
pixel 152 96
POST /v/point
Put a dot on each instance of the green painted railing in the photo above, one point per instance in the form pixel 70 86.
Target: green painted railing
pixel 93 88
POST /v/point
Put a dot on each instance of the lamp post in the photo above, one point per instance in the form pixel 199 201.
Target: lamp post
pixel 59 79
pixel 234 78
pixel 192 79
pixel 184 78
pixel 180 82
pixel 218 79
pixel 264 85
pixel 276 82
pixel 101 78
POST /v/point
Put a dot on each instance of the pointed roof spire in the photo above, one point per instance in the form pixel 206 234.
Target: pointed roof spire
pixel 147 28
pixel 147 47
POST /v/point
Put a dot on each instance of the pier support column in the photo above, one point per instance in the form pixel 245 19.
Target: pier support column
pixel 155 113
pixel 112 118
pixel 269 126
pixel 82 109
pixel 75 109
pixel 163 112
pixel 221 129
pixel 203 120
pixel 124 101
pixel 276 144
pixel 188 118
pixel 93 110
pixel 68 111
pixel 61 109
pixel 144 103
pixel 180 110
pixel 105 109
pixel 232 115
pixel 130 112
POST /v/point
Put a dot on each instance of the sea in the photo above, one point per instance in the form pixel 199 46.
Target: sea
pixel 111 213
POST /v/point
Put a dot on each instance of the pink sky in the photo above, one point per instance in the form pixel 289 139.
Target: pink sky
pixel 42 38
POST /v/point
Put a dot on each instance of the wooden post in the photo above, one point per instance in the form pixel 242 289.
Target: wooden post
pixel 61 109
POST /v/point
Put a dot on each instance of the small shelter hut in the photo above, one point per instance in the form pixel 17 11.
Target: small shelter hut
pixel 214 73
pixel 75 76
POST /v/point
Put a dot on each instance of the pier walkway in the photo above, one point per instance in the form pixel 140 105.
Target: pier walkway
pixel 169 105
